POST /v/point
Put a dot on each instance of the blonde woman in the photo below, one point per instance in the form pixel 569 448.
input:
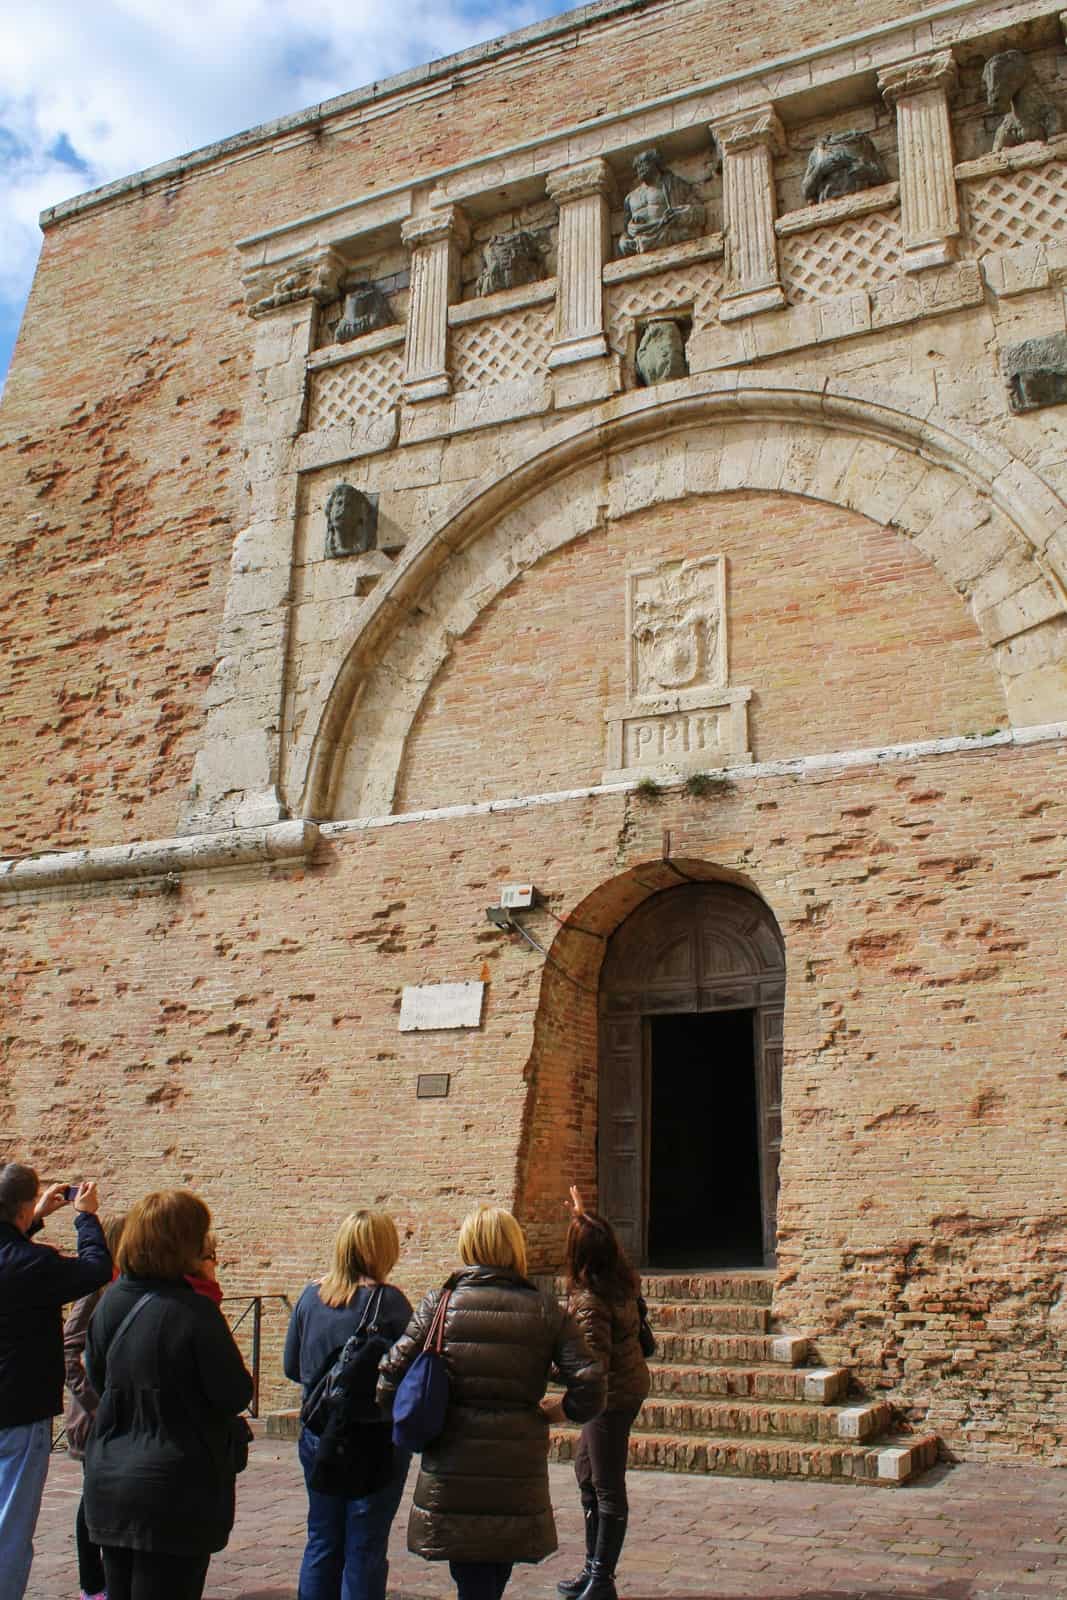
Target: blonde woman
pixel 345 1557
pixel 481 1502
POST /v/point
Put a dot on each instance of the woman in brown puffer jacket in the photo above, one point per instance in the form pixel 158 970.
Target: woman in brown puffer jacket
pixel 602 1296
pixel 481 1501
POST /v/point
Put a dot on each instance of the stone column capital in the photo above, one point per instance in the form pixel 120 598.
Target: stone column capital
pixel 575 183
pixel 918 76
pixel 447 223
pixel 314 276
pixel 755 129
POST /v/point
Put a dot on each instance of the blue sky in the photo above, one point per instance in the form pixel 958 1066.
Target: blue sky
pixel 92 90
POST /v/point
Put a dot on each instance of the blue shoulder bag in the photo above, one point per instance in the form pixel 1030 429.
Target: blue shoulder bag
pixel 421 1398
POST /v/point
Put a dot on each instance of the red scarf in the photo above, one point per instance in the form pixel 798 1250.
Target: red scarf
pixel 205 1286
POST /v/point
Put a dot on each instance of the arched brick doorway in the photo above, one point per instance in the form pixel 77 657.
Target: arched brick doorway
pixel 691 1004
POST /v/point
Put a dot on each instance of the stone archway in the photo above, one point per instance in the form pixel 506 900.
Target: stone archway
pixel 993 529
pixel 561 1118
pixel 690 1118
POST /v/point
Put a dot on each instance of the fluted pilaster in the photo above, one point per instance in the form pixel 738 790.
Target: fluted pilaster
pixel 930 214
pixel 436 242
pixel 581 193
pixel 749 142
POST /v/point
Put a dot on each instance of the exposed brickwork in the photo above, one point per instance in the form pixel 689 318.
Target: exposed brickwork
pixel 161 525
pixel 254 1014
pixel 828 616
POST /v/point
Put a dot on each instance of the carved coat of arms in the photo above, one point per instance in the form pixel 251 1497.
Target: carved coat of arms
pixel 677 630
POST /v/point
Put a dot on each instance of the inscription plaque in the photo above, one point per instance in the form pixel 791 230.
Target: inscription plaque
pixel 441 1005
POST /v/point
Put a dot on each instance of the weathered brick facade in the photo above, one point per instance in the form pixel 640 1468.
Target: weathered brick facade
pixel 252 791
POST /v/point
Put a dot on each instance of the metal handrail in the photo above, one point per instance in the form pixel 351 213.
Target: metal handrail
pixel 255 1306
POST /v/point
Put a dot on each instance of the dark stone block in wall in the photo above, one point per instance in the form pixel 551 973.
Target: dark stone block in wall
pixel 1036 370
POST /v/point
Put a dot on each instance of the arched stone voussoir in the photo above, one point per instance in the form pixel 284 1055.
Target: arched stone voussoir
pixel 967 503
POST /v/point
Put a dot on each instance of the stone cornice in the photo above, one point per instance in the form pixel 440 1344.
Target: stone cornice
pixel 295 841
pixel 877 42
pixel 160 858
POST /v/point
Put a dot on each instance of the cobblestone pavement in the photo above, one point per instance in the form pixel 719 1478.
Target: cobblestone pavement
pixel 961 1533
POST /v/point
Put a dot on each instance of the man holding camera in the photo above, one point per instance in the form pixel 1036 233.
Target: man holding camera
pixel 35 1284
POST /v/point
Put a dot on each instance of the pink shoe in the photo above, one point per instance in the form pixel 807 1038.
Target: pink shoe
pixel 83 1596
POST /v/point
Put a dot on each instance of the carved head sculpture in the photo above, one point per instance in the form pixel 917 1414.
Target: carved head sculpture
pixel 509 261
pixel 351 521
pixel 842 163
pixel 648 164
pixel 366 308
pixel 1003 76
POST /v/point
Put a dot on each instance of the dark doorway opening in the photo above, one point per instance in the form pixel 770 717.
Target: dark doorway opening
pixel 704 1179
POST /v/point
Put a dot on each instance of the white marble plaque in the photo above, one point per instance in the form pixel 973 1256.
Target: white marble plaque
pixel 441 1005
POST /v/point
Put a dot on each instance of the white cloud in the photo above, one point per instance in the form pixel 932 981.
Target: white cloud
pixel 93 91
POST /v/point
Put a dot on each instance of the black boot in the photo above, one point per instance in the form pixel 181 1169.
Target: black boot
pixel 610 1534
pixel 576 1585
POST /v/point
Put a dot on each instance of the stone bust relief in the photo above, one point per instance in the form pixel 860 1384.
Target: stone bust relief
pixel 660 208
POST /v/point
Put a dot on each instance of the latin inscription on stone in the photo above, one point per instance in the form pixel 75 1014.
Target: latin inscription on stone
pixel 441 1005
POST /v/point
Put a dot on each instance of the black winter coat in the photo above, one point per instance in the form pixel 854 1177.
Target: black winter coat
pixel 159 1467
pixel 482 1493
pixel 35 1284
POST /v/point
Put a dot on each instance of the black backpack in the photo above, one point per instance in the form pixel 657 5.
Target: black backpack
pixel 350 1377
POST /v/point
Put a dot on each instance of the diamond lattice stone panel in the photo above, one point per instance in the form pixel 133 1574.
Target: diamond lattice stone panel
pixel 368 387
pixel 698 287
pixel 1013 208
pixel 501 349
pixel 859 253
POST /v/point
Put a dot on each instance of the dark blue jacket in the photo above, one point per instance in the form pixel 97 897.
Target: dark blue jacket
pixel 35 1284
pixel 317 1332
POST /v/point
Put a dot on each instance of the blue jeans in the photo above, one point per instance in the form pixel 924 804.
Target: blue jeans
pixel 345 1557
pixel 24 1455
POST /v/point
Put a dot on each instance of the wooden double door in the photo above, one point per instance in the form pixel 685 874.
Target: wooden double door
pixel 691 1005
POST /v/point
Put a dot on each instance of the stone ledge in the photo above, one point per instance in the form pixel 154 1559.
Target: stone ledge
pixel 155 858
pixel 885 198
pixel 484 307
pixel 1037 153
pixel 336 355
pixel 708 248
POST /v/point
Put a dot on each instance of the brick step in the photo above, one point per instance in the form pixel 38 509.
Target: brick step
pixel 754 1287
pixel 884 1465
pixel 722 1315
pixel 787 1349
pixel 760 1419
pixel 820 1385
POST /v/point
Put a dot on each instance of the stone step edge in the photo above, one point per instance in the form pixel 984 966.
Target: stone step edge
pixel 888 1463
pixel 777 1349
pixel 856 1422
pixel 821 1385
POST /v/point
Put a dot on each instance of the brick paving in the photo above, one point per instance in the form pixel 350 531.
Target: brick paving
pixel 960 1533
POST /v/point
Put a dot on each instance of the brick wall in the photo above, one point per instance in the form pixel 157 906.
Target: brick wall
pixel 829 617
pixel 242 1036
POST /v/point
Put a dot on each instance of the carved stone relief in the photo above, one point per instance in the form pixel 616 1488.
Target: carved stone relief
pixel 680 711
pixel 1036 370
pixel 661 352
pixel 366 309
pixel 842 163
pixel 660 209
pixel 1008 81
pixel 510 260
pixel 313 278
pixel 351 522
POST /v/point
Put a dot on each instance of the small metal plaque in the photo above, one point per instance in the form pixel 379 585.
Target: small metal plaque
pixel 441 1005
pixel 433 1086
